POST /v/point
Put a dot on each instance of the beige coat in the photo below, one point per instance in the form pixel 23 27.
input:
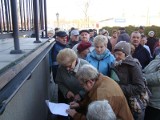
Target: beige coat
pixel 106 88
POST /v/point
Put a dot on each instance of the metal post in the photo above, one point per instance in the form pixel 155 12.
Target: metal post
pixel 57 15
pixel 36 20
pixel 42 17
pixel 15 27
pixel 45 16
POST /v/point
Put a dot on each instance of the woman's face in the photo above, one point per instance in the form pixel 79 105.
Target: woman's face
pixel 119 55
pixel 70 66
pixel 85 52
pixel 100 48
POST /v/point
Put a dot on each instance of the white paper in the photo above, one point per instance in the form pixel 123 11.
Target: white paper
pixel 58 108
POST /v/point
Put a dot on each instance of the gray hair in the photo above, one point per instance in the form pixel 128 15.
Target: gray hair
pixel 100 110
pixel 87 72
pixel 66 56
pixel 100 39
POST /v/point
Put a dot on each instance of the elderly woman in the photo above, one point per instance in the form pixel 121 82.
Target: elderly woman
pixel 130 75
pixel 99 87
pixel 83 49
pixel 100 110
pixel 69 64
pixel 101 58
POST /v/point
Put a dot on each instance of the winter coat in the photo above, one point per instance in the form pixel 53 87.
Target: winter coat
pixel 142 55
pixel 131 78
pixel 67 81
pixel 102 65
pixel 151 41
pixel 71 44
pixel 53 55
pixel 106 88
pixel 152 75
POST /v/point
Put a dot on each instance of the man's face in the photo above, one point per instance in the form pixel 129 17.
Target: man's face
pixel 84 36
pixel 62 40
pixel 91 34
pixel 141 30
pixel 87 85
pixel 75 37
pixel 135 39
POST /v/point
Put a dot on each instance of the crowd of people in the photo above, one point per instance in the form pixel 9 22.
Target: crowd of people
pixel 106 77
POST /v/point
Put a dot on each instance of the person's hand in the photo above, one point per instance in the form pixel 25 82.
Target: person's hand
pixel 74 104
pixel 70 95
pixel 77 97
pixel 71 112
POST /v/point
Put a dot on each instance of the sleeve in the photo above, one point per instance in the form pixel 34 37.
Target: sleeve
pixel 153 78
pixel 59 81
pixel 79 116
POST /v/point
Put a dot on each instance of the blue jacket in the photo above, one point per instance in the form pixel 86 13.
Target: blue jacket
pixel 53 55
pixel 103 65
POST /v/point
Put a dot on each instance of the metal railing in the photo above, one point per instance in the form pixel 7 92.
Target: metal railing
pixel 22 17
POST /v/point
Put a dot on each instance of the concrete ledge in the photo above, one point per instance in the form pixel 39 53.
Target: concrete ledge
pixel 21 63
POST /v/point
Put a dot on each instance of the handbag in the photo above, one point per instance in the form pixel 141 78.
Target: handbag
pixel 139 103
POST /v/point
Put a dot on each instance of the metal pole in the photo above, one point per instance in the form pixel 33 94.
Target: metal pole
pixel 45 17
pixel 57 15
pixel 36 20
pixel 15 28
pixel 42 17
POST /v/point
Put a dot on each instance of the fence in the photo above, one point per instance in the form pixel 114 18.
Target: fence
pixel 22 17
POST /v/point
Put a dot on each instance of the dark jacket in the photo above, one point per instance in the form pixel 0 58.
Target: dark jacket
pixel 71 44
pixel 67 81
pixel 53 53
pixel 142 55
pixel 151 41
pixel 131 78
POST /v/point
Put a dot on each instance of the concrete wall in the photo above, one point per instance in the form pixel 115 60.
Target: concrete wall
pixel 29 101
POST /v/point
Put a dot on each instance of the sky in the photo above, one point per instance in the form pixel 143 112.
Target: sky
pixel 102 9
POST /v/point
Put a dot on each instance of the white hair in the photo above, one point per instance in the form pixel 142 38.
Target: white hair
pixel 100 110
pixel 66 56
pixel 100 39
pixel 87 72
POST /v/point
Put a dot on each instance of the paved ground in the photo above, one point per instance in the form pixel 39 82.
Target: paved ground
pixel 6 45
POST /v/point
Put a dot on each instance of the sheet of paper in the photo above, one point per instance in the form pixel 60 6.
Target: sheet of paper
pixel 58 108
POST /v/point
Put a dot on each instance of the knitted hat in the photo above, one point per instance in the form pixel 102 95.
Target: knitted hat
pixel 83 45
pixel 151 33
pixel 124 47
